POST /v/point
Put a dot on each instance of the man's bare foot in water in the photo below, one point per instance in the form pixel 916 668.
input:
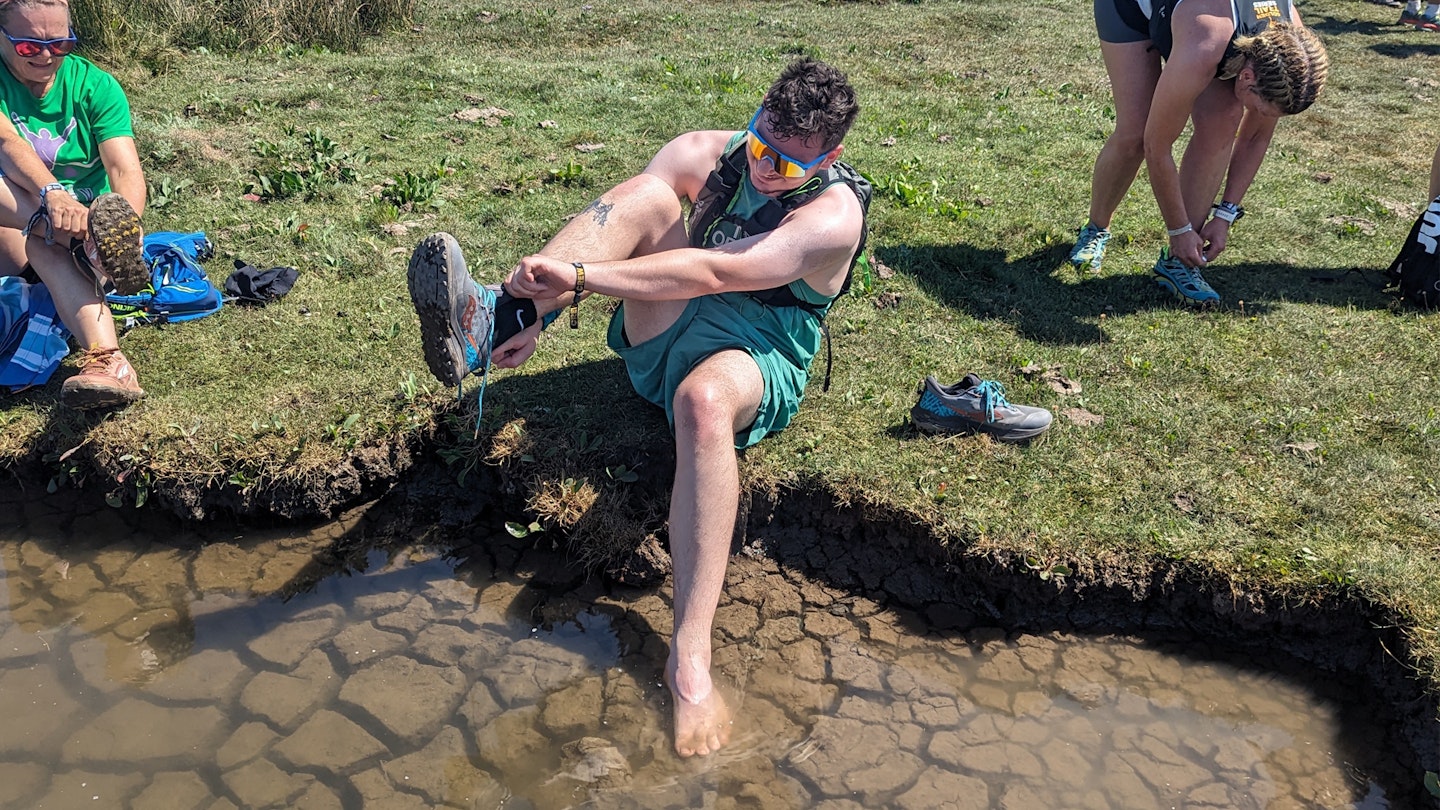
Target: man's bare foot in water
pixel 702 720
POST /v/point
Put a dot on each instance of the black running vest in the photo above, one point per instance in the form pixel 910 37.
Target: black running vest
pixel 714 203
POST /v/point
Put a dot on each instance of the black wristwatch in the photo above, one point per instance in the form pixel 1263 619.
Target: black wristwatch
pixel 1228 211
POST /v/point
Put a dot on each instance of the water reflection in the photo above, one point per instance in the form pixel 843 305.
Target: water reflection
pixel 143 664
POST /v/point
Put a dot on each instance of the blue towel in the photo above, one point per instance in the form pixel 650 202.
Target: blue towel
pixel 33 341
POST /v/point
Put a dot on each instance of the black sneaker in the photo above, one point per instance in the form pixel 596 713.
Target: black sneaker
pixel 974 405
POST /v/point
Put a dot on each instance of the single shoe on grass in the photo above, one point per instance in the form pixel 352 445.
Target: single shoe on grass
pixel 974 405
pixel 106 380
pixel 1183 282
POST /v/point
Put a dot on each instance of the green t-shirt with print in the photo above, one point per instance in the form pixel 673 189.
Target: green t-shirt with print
pixel 83 107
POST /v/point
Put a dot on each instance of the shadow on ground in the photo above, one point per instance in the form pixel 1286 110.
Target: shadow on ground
pixel 1046 300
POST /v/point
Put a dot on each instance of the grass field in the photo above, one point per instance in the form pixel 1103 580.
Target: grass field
pixel 1288 440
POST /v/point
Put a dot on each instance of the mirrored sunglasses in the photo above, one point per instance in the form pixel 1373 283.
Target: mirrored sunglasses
pixel 760 149
pixel 27 47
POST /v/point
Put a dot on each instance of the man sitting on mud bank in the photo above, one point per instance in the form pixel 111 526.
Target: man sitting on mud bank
pixel 717 323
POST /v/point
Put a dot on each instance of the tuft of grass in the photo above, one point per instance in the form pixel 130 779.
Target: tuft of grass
pixel 1287 441
pixel 149 31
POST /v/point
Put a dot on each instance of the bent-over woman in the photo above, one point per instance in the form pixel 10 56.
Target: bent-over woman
pixel 1231 67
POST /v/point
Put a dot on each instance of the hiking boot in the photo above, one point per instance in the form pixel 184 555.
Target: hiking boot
pixel 1089 251
pixel 114 248
pixel 1184 282
pixel 974 405
pixel 457 316
pixel 106 380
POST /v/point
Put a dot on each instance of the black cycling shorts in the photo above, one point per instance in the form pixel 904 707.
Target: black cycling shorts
pixel 1121 21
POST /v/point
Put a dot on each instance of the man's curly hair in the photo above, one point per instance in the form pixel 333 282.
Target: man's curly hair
pixel 811 100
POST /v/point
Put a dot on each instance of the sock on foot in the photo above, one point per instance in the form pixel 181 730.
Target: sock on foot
pixel 512 315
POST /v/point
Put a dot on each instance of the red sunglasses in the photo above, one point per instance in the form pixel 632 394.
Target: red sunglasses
pixel 28 48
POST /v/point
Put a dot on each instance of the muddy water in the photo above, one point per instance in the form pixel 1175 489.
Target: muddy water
pixel 146 665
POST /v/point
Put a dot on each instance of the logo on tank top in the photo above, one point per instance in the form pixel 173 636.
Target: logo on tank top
pixel 1266 10
pixel 723 233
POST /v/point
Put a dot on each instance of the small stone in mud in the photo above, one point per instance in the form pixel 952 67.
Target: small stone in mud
pixel 591 759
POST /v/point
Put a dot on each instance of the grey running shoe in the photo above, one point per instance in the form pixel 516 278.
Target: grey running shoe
pixel 1185 283
pixel 1089 251
pixel 457 316
pixel 114 246
pixel 974 405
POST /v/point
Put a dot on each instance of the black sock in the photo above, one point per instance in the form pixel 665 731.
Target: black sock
pixel 512 316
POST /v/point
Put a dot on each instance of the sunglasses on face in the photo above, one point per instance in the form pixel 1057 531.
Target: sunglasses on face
pixel 760 149
pixel 27 48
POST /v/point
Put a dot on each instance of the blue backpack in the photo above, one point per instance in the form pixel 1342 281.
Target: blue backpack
pixel 179 289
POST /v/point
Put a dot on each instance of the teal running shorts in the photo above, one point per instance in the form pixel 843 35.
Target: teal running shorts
pixel 714 323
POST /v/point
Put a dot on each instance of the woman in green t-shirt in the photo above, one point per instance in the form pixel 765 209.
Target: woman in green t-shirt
pixel 72 189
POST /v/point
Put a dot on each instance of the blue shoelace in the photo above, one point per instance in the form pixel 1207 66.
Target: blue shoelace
pixel 1183 274
pixel 992 395
pixel 1096 237
pixel 487 298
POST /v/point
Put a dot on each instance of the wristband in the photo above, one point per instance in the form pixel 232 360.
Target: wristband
pixel 1228 211
pixel 579 289
pixel 46 189
pixel 1186 228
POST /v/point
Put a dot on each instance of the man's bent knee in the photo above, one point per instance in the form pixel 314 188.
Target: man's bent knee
pixel 644 192
pixel 720 397
pixel 706 411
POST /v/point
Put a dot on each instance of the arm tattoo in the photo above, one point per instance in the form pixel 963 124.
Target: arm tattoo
pixel 602 211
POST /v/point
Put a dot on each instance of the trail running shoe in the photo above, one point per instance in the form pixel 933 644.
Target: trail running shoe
pixel 1428 23
pixel 1184 282
pixel 1089 251
pixel 1408 17
pixel 457 316
pixel 106 380
pixel 114 246
pixel 974 405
